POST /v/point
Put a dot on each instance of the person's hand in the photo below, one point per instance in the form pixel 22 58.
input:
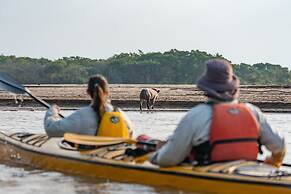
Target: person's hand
pixel 55 109
pixel 160 144
pixel 275 159
pixel 269 160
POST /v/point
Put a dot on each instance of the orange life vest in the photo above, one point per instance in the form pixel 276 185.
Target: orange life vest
pixel 234 133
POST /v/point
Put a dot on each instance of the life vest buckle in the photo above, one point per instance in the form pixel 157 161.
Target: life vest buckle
pixel 233 111
pixel 114 119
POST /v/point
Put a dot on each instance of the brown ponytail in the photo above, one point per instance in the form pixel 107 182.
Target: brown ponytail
pixel 98 90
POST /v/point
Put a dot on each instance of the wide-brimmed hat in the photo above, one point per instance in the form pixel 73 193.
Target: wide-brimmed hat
pixel 219 81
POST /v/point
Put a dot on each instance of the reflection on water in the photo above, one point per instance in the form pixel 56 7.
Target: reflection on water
pixel 15 179
pixel 27 181
pixel 20 180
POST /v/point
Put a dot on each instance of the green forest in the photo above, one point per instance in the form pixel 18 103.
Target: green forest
pixel 171 67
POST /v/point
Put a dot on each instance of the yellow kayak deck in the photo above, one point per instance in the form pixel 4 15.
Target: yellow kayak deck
pixel 40 151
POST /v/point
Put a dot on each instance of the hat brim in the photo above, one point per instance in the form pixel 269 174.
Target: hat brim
pixel 216 89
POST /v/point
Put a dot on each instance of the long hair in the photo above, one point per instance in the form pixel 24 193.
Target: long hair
pixel 97 88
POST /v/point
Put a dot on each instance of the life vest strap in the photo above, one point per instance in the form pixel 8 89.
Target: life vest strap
pixel 234 141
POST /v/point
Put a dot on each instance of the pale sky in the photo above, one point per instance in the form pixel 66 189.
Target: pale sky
pixel 249 31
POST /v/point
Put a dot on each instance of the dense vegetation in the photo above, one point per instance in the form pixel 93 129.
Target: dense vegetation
pixel 172 67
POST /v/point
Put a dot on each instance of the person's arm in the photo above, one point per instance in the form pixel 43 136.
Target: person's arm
pixel 75 123
pixel 176 149
pixel 270 138
pixel 192 130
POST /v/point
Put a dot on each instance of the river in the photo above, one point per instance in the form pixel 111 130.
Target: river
pixel 20 179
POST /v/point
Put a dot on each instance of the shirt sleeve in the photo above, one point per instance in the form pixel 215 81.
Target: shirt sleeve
pixel 75 123
pixel 177 147
pixel 269 136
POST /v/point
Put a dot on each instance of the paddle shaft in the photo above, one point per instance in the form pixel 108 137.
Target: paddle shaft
pixel 288 165
pixel 146 143
pixel 40 101
pixel 283 164
pixel 23 89
pixel 44 103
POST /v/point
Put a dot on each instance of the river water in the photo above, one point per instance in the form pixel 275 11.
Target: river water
pixel 20 179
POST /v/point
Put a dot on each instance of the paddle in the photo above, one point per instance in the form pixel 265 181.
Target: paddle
pixel 288 165
pixel 10 85
pixel 283 164
pixel 101 141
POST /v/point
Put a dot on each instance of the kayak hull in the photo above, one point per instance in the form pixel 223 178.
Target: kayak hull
pixel 50 157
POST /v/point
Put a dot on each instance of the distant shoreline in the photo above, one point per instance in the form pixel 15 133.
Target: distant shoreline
pixel 172 97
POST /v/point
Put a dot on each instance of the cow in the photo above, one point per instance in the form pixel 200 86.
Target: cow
pixel 149 95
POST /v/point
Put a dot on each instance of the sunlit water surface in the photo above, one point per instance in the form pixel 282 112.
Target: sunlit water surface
pixel 19 179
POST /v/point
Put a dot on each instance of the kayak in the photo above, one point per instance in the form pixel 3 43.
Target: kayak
pixel 111 161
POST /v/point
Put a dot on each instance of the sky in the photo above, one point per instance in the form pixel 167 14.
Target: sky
pixel 243 31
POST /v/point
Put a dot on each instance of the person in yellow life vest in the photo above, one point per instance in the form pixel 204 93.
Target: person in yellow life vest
pixel 222 129
pixel 99 118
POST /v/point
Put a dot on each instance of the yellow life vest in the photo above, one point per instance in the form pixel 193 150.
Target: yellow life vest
pixel 113 125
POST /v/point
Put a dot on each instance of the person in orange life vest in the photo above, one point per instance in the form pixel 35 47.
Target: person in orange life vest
pixel 87 120
pixel 221 129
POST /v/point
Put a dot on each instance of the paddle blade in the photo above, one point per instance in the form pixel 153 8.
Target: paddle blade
pixel 10 85
pixel 99 141
pixel 90 138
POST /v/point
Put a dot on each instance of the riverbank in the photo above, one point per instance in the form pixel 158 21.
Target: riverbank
pixel 172 97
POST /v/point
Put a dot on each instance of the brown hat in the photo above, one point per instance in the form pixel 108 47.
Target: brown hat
pixel 218 81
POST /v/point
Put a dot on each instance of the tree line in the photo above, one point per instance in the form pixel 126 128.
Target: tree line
pixel 171 67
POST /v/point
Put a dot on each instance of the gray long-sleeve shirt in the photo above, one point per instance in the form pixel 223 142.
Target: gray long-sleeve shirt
pixel 193 130
pixel 83 121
